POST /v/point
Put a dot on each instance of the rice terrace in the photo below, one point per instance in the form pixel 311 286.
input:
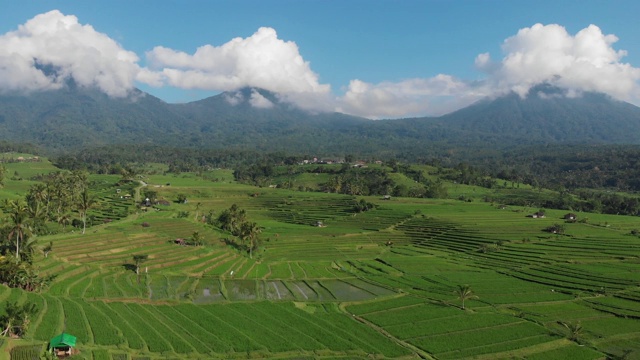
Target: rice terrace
pixel 196 265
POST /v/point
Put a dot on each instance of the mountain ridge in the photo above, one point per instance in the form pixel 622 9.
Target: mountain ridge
pixel 73 118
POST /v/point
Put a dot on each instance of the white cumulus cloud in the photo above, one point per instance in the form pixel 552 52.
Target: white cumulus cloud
pixel 258 101
pixel 52 47
pixel 541 54
pixel 413 97
pixel 48 50
pixel 261 60
pixel 585 61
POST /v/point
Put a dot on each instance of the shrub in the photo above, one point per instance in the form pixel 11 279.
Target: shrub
pixel 555 229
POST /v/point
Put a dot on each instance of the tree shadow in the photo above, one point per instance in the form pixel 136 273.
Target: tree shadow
pixel 130 267
pixel 234 244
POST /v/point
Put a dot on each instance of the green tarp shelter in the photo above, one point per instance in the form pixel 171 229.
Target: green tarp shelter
pixel 62 341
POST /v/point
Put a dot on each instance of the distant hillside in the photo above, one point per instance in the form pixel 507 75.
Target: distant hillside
pixel 75 118
pixel 547 116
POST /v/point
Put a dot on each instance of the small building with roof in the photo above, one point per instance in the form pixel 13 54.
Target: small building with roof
pixel 62 345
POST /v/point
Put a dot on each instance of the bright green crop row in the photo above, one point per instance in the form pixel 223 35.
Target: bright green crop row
pixel 226 334
pixel 156 321
pixel 371 307
pixel 51 320
pixel 104 333
pixel 132 338
pixel 412 314
pixel 199 338
pixel 457 341
pixel 145 328
pixel 180 328
pixel 570 352
pixel 75 321
pixel 27 352
pixel 508 345
pixel 452 324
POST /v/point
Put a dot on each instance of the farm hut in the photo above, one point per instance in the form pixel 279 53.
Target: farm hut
pixel 537 215
pixel 62 345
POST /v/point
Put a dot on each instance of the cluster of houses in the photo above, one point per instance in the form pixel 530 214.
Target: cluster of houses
pixel 541 215
pixel 330 161
pixel 148 203
pixel 20 159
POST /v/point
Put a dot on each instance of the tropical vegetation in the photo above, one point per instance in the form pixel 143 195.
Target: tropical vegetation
pixel 243 269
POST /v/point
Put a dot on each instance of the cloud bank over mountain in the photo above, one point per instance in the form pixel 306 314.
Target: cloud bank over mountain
pixel 549 54
pixel 51 48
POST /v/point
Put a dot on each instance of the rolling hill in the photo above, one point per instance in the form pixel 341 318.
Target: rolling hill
pixel 546 115
pixel 74 118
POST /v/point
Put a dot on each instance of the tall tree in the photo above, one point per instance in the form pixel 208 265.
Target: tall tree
pixel 464 292
pixel 196 239
pixel 249 231
pixel 19 227
pixel 138 260
pixel 64 219
pixel 47 249
pixel 85 202
pixel 197 210
pixel 28 249
pixel 36 209
pixel 231 219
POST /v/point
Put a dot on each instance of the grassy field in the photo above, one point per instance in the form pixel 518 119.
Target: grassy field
pixel 378 284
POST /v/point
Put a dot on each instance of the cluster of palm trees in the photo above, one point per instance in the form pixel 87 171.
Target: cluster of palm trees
pixel 54 200
pixel 234 220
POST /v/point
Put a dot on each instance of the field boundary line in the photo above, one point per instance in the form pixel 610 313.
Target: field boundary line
pixel 421 353
pixel 527 350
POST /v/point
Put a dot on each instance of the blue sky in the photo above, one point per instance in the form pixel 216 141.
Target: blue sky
pixel 378 59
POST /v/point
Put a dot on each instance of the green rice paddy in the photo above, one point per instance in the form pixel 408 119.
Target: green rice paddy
pixel 378 284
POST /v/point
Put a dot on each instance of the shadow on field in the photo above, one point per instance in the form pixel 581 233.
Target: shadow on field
pixel 130 267
pixel 233 244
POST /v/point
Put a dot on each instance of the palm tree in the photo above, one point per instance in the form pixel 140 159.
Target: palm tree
pixel 40 194
pixel 3 170
pixel 464 292
pixel 28 249
pixel 19 228
pixel 85 202
pixel 249 231
pixel 238 217
pixel 197 210
pixel 575 330
pixel 64 219
pixel 47 249
pixel 37 212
